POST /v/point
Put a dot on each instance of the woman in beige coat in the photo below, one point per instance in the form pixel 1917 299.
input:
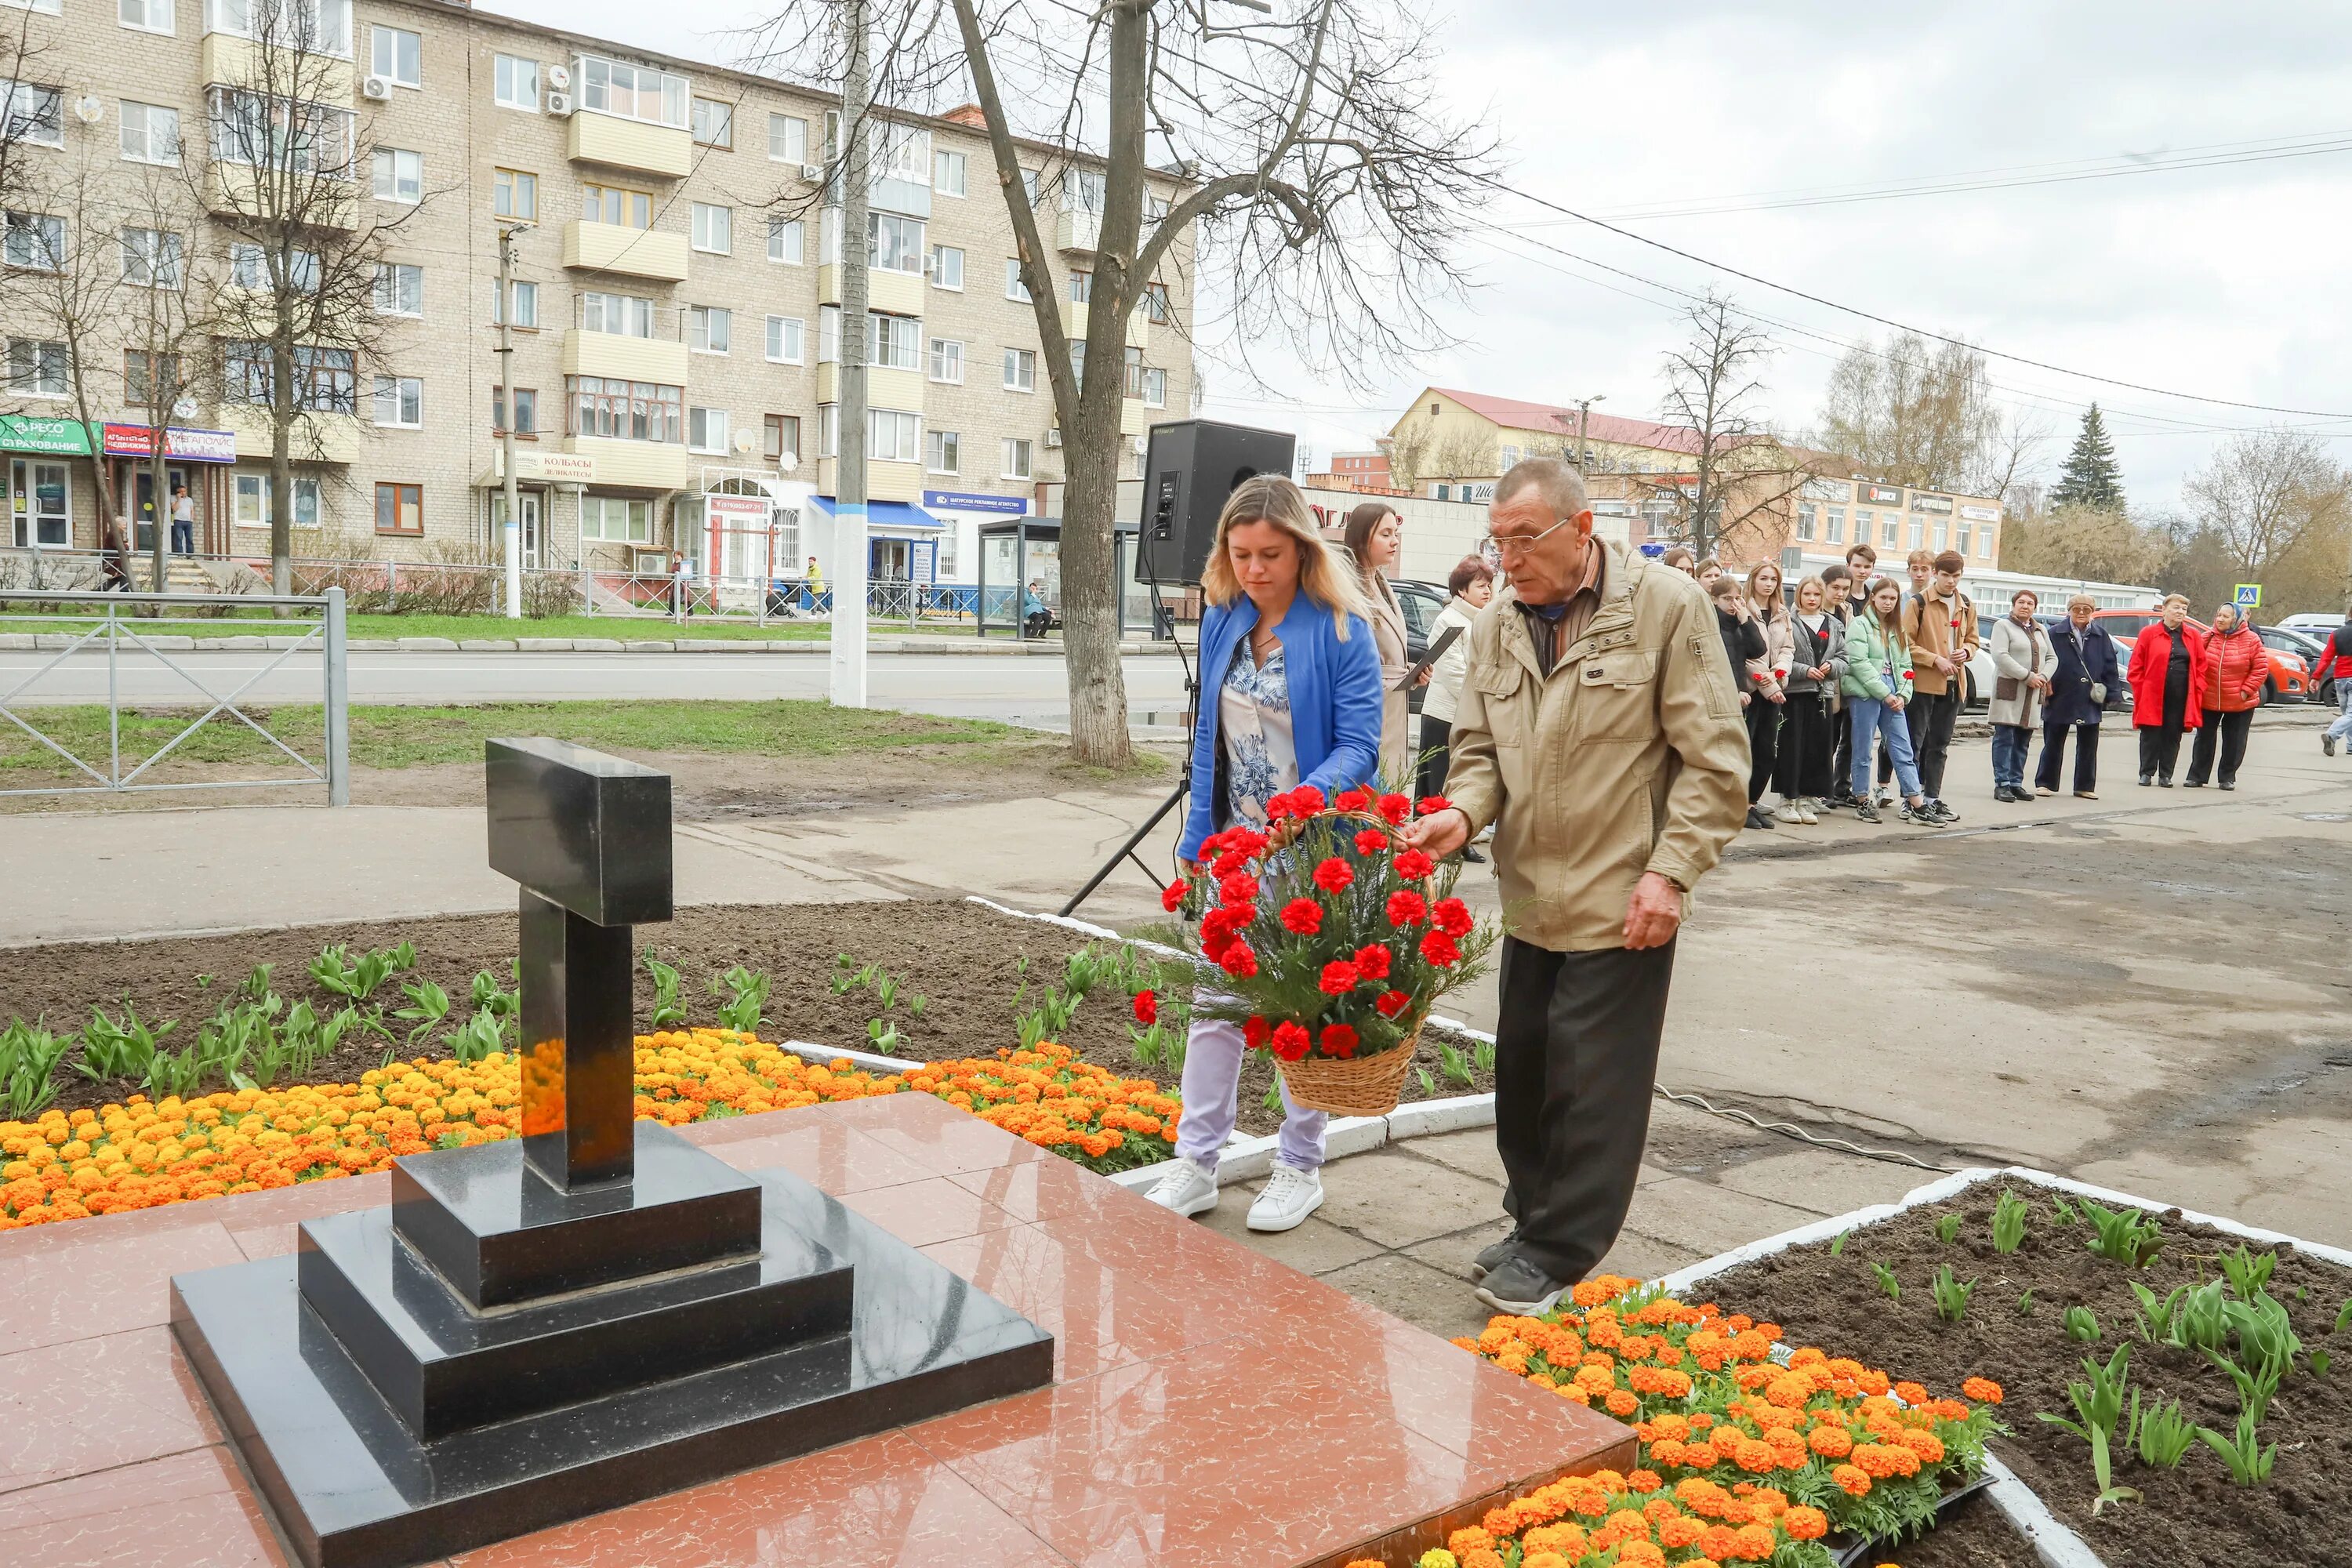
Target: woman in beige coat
pixel 1375 537
pixel 1769 674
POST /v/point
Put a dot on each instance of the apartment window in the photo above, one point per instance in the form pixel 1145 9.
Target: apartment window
pixel 1918 533
pixel 706 429
pixel 1029 185
pixel 526 303
pixel 150 133
pixel 1082 287
pixel 514 193
pixel 1960 536
pixel 624 410
pixel 1020 370
pixel 947 361
pixel 947 174
pixel 399 402
pixel 1014 462
pixel 397 53
pixel 828 419
pixel 399 175
pixel 714 228
pixel 144 15
pixel 709 328
pixel 787 240
pixel 399 509
pixel 149 379
pixel 1014 288
pixel 33 240
pixel 616 519
pixel 514 83
pixel 614 204
pixel 780 437
pixel 526 401
pixel 828 334
pixel 326 381
pixel 37 367
pixel 633 93
pixel 1865 528
pixel 279 134
pixel 892 436
pixel 894 244
pixel 250 267
pixel 942 452
pixel 399 288
pixel 30 114
pixel 947 268
pixel 944 566
pixel 1894 532
pixel 1836 521
pixel 894 342
pixel 787 138
pixel 252 501
pixel 1083 190
pixel 1805 522
pixel 151 257
pixel 714 123
pixel 785 334
pixel 324 26
pixel 1149 383
pixel 1078 361
pixel 626 315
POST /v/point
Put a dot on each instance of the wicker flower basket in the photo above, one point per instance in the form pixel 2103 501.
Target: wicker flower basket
pixel 1360 1086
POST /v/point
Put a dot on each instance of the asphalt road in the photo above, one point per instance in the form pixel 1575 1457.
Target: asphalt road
pixel 1031 690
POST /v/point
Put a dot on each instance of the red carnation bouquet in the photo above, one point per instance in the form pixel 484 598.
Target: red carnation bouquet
pixel 1329 941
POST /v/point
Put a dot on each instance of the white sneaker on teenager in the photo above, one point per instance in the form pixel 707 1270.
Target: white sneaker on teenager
pixel 1811 811
pixel 1790 812
pixel 1188 1188
pixel 1290 1195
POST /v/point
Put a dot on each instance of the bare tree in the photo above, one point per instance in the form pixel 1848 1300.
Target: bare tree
pixel 2091 543
pixel 1418 455
pixel 1744 472
pixel 164 319
pixel 1313 170
pixel 2265 491
pixel 1921 414
pixel 284 171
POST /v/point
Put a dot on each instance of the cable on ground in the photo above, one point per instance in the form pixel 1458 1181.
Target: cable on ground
pixel 1790 1129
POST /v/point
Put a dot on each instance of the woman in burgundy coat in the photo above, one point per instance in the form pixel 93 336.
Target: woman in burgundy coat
pixel 2168 680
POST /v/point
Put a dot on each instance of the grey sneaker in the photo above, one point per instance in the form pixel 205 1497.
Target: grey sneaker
pixel 1520 1289
pixel 1491 1256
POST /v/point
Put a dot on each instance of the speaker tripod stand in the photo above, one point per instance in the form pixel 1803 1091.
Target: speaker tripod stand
pixel 1126 852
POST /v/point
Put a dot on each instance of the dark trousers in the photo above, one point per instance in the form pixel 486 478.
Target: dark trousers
pixel 1436 754
pixel 1576 1056
pixel 2160 748
pixel 1763 733
pixel 2228 733
pixel 1931 715
pixel 1807 738
pixel 1842 766
pixel 2053 757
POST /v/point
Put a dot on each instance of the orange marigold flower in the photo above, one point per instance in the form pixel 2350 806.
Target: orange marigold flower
pixel 1805 1523
pixel 1679 1531
pixel 1852 1479
pixel 1620 1403
pixel 1644 1481
pixel 1984 1390
pixel 1829 1442
pixel 1911 1394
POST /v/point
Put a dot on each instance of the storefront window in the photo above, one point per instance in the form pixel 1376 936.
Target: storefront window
pixel 40 504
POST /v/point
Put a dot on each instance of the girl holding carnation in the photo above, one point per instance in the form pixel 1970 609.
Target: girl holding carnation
pixel 1291 696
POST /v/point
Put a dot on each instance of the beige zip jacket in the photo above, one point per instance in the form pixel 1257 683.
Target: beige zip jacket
pixel 1629 757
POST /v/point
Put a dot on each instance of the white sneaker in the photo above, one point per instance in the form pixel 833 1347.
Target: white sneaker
pixel 1806 810
pixel 1290 1195
pixel 1791 813
pixel 1188 1188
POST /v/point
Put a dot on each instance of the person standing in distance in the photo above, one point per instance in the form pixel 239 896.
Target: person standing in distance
pixel 1472 583
pixel 184 521
pixel 2167 682
pixel 1599 721
pixel 2335 663
pixel 1941 627
pixel 2086 676
pixel 2237 667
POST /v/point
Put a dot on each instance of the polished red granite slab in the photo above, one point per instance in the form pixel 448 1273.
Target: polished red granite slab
pixel 1210 1406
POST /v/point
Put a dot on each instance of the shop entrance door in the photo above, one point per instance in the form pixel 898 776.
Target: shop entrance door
pixel 38 506
pixel 893 559
pixel 141 497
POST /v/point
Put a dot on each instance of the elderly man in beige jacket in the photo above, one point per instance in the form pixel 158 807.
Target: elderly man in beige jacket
pixel 1599 728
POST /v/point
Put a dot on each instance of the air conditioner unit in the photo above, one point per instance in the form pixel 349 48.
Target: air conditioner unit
pixel 558 78
pixel 378 87
pixel 1054 437
pixel 559 104
pixel 811 172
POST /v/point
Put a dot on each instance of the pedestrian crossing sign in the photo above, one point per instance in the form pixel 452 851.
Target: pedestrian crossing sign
pixel 2249 596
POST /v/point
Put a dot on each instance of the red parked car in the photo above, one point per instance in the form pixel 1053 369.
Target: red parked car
pixel 2290 675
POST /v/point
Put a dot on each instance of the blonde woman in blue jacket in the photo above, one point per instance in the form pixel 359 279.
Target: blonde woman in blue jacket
pixel 1877 687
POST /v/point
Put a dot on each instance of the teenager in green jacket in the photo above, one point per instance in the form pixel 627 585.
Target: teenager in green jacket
pixel 1877 686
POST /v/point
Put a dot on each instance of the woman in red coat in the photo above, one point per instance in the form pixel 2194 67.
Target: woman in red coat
pixel 2236 667
pixel 2168 680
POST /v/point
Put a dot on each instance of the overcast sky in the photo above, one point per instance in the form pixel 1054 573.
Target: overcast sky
pixel 2226 281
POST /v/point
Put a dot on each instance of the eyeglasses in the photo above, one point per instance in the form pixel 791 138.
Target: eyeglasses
pixel 1508 545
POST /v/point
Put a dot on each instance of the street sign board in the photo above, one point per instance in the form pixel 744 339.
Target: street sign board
pixel 2248 596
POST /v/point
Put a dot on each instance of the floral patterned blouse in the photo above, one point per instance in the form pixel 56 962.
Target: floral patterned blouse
pixel 1254 726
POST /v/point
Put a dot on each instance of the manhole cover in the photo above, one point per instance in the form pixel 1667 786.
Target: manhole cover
pixel 2326 815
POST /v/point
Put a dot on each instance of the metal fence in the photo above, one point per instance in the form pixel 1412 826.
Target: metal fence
pixel 123 629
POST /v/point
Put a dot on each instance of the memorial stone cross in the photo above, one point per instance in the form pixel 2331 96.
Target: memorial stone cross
pixel 588 838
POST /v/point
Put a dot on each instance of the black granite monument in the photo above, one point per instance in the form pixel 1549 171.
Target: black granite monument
pixel 595 1312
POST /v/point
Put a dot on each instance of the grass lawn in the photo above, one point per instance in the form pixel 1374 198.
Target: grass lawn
pixel 403 737
pixel 623 628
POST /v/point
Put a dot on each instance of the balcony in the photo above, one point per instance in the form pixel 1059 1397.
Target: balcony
pixel 662 361
pixel 632 252
pixel 892 293
pixel 224 60
pixel 1078 231
pixel 1134 419
pixel 884 481
pixel 899 389
pixel 664 150
pixel 232 190
pixel 316 438
pixel 1138 325
pixel 643 464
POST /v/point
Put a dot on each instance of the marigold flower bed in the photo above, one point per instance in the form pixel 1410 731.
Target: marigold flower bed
pixel 69 1165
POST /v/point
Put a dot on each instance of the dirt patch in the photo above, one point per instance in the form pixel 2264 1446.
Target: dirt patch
pixel 1972 1533
pixel 2190 1514
pixel 963 960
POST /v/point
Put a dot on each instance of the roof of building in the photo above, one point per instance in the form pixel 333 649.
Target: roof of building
pixel 1513 413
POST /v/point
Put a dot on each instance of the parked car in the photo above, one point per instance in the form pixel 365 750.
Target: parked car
pixel 1420 602
pixel 2310 625
pixel 2289 674
pixel 2307 646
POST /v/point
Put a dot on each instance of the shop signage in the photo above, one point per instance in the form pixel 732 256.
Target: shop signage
pixel 545 468
pixel 1931 503
pixel 1981 514
pixel 736 513
pixel 1883 495
pixel 961 501
pixel 188 445
pixel 57 437
pixel 1827 490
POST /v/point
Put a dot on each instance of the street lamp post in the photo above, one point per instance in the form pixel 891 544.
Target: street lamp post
pixel 1583 414
pixel 510 538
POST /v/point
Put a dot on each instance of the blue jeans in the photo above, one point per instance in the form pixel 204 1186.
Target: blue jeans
pixel 2009 744
pixel 1873 717
pixel 2343 726
pixel 184 538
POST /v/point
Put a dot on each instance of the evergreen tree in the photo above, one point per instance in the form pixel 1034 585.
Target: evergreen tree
pixel 2091 477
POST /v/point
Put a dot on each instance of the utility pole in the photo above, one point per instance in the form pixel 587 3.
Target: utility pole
pixel 511 534
pixel 849 547
pixel 1583 414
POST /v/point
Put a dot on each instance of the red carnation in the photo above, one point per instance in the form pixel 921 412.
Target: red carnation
pixel 1245 841
pixel 1172 898
pixel 1214 842
pixel 1413 865
pixel 1371 841
pixel 1396 808
pixel 1240 959
pixel 1303 916
pixel 1453 917
pixel 1333 875
pixel 1437 948
pixel 1240 887
pixel 1277 806
pixel 1147 1008
pixel 1407 908
pixel 1218 926
pixel 1227 863
pixel 1339 977
pixel 1337 1041
pixel 1290 1041
pixel 1391 1003
pixel 1352 800
pixel 1430 805
pixel 1253 1033
pixel 1372 962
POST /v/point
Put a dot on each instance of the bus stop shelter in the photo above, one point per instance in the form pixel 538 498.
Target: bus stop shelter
pixel 1019 550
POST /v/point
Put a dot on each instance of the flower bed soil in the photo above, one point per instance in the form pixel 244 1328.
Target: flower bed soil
pixel 1972 1533
pixel 960 956
pixel 2192 1514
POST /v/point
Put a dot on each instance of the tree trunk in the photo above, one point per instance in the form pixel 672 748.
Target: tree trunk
pixel 281 471
pixel 1089 587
